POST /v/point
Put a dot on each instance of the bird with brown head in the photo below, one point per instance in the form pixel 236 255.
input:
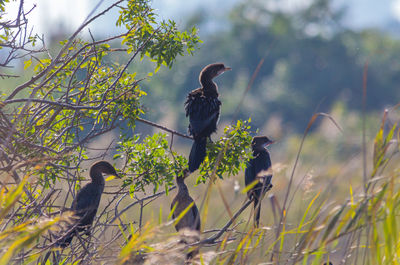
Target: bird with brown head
pixel 87 201
pixel 203 109
pixel 258 173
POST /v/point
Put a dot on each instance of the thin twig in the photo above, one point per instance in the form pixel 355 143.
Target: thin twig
pixel 118 214
pixel 164 128
pixel 227 225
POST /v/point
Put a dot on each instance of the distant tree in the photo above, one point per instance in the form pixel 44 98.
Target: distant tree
pixel 311 61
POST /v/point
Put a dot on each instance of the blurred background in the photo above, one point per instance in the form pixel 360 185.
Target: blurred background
pixel 314 52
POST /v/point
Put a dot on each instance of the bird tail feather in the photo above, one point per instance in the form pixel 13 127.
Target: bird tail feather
pixel 197 153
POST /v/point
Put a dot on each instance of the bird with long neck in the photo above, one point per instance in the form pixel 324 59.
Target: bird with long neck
pixel 87 201
pixel 181 203
pixel 258 173
pixel 203 108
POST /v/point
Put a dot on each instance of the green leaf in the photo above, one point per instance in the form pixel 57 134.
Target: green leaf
pixel 27 64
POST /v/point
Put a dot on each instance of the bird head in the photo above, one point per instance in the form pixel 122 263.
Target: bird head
pixel 213 70
pixel 104 167
pixel 261 142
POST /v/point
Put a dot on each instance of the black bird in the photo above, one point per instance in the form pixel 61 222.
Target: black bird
pixel 181 202
pixel 259 168
pixel 87 201
pixel 203 107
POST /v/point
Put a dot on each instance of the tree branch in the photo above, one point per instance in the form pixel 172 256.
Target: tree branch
pixel 212 239
pixel 165 128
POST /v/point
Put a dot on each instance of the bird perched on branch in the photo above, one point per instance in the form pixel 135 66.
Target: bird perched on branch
pixel 87 201
pixel 258 173
pixel 183 202
pixel 203 108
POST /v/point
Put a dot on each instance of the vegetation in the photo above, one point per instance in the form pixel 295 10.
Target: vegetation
pixel 332 199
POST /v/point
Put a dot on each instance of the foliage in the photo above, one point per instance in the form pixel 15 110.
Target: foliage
pixel 162 42
pixel 229 154
pixel 150 162
pixel 371 215
pixel 15 238
pixel 79 94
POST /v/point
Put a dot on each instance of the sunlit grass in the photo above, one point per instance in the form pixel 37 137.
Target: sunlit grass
pixel 330 214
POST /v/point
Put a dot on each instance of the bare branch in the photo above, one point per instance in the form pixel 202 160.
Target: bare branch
pixel 164 128
pixel 212 239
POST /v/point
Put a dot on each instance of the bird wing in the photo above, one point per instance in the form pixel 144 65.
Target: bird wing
pixel 197 125
pixel 249 174
pixel 191 219
pixel 262 164
pixel 262 169
pixel 86 203
pixel 249 177
pixel 196 216
pixel 203 112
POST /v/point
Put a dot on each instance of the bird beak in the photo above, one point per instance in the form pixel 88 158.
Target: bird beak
pixel 111 177
pixel 269 143
pixel 224 70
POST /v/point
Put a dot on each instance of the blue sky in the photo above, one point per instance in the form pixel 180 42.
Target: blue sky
pixel 50 14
